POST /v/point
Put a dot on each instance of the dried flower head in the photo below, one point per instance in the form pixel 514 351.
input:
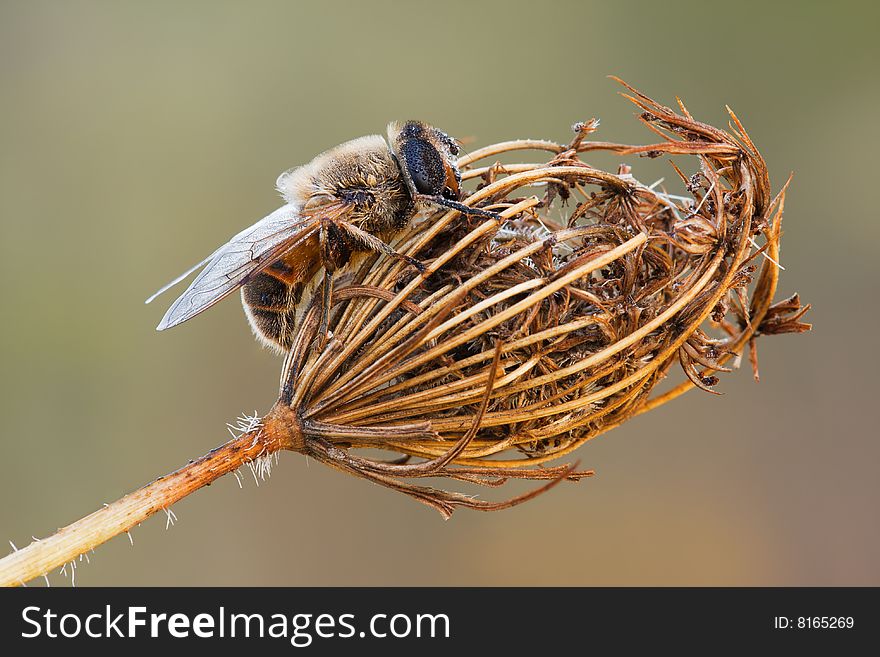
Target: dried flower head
pixel 529 336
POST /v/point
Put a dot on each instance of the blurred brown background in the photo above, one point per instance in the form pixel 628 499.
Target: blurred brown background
pixel 137 137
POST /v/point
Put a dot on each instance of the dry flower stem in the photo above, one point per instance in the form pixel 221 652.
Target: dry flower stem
pixel 67 544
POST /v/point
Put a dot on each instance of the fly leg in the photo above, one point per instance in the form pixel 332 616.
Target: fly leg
pixel 328 259
pixel 461 207
pixel 370 242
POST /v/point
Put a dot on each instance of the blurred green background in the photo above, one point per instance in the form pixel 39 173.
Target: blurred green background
pixel 137 137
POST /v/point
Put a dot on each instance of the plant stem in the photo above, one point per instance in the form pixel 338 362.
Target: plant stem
pixel 67 544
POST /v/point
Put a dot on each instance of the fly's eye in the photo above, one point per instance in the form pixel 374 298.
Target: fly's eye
pixel 424 166
pixel 449 142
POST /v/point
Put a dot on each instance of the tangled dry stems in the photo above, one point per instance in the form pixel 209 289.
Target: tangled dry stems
pixel 530 335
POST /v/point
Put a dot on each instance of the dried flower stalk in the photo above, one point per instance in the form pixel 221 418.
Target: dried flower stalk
pixel 524 338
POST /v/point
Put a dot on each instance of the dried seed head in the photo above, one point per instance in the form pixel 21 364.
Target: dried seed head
pixel 526 338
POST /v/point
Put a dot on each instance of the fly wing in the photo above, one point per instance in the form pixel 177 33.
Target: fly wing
pixel 229 267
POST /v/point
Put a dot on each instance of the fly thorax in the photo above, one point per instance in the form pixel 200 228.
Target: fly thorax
pixel 361 198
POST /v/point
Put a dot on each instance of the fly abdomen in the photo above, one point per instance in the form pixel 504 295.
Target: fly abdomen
pixel 272 299
pixel 270 289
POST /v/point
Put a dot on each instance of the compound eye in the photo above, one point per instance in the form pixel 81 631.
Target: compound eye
pixel 450 142
pixel 424 166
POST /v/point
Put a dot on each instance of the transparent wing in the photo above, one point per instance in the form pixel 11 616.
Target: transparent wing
pixel 162 290
pixel 228 268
